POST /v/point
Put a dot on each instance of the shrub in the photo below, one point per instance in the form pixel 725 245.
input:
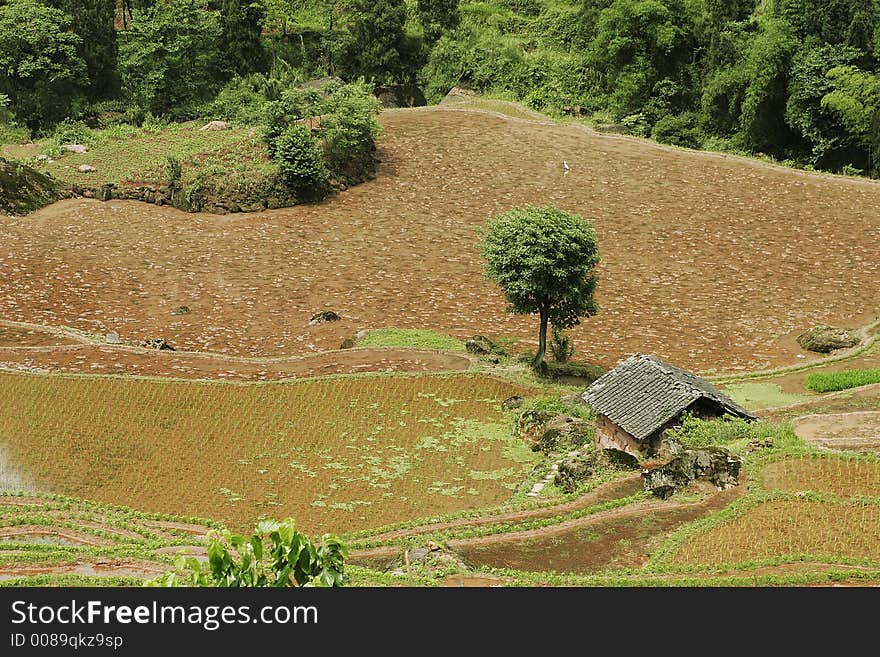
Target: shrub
pixel 681 130
pixel 560 346
pixel 348 132
pixel 275 554
pixel 300 163
pixel 242 101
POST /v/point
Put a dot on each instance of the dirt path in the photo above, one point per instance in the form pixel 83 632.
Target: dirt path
pixel 49 532
pixel 83 355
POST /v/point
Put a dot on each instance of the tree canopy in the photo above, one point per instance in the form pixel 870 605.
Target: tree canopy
pixel 544 259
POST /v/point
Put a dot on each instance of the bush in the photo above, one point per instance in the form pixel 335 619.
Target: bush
pixel 560 346
pixel 300 163
pixel 242 101
pixel 274 555
pixel 831 381
pixel 349 129
pixel 681 130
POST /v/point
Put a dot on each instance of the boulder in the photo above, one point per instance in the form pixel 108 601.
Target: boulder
pixel 156 343
pixel 713 464
pixel 574 470
pixel 323 316
pixel 428 560
pixel 216 125
pixel 824 339
pixel 564 431
pixel 112 338
pixel 348 343
pixel 74 148
pixel 85 168
pixel 574 399
pixel 513 402
pixel 401 95
pixel 483 346
pixel 106 192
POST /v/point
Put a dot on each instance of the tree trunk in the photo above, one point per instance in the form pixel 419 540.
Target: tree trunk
pixel 542 340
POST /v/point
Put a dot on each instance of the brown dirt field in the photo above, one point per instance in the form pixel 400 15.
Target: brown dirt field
pixel 89 359
pixel 858 430
pixel 620 538
pixel 18 337
pixel 708 261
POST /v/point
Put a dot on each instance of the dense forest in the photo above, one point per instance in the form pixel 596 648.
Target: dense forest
pixel 795 80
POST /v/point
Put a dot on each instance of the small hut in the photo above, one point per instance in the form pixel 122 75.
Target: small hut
pixel 643 397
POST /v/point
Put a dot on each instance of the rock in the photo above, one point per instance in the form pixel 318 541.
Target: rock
pixel 180 310
pixel 401 95
pixel 457 95
pixel 156 343
pixel 74 148
pixel 323 316
pixel 85 168
pixel 216 125
pixel 348 343
pixel 574 470
pixel 483 346
pixel 714 464
pixel 112 338
pixel 512 402
pixel 574 399
pixel 567 431
pixel 427 560
pixel 106 192
pixel 824 339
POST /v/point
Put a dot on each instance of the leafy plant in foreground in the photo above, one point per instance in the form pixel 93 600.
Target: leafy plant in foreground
pixel 275 554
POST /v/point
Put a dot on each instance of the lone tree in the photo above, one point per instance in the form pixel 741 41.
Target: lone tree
pixel 544 260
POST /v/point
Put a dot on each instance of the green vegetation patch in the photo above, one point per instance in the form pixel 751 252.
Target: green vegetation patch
pixel 831 381
pixel 761 395
pixel 410 338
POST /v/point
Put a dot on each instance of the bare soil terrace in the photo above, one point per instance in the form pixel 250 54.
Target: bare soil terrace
pixel 709 261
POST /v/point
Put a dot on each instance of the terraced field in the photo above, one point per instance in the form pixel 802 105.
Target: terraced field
pixel 336 454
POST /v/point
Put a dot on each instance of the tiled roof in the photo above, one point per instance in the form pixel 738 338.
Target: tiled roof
pixel 642 394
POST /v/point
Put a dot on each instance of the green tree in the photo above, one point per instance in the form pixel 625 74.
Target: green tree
pixel 349 130
pixel 275 554
pixel 544 259
pixel 856 101
pixel 437 17
pixel 301 164
pixel 377 35
pixel 242 26
pixel 820 128
pixel 40 68
pixel 93 21
pixel 638 43
pixel 171 57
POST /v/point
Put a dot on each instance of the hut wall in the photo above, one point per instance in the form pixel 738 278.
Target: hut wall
pixel 611 436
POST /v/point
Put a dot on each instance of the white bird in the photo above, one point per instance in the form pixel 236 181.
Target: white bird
pixel 565 166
